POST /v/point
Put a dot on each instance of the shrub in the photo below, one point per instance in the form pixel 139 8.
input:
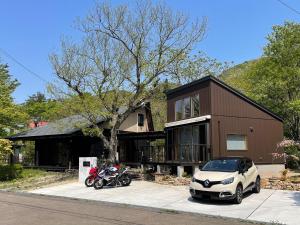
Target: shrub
pixel 5 148
pixel 9 172
pixel 292 163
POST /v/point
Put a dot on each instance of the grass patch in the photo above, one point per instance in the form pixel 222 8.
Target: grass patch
pixel 29 173
pixel 34 178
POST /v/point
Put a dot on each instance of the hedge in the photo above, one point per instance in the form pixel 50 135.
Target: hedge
pixel 9 172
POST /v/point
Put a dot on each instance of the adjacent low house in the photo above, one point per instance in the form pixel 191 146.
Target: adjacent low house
pixel 205 119
pixel 61 143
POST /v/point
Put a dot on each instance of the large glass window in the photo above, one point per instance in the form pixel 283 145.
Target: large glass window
pixel 195 106
pixel 187 107
pixel 236 142
pixel 178 109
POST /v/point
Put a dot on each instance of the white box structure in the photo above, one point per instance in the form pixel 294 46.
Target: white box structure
pixel 85 164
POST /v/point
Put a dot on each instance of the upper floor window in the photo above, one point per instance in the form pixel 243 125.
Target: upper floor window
pixel 187 108
pixel 178 109
pixel 195 106
pixel 141 120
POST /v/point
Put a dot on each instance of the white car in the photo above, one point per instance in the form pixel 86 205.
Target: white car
pixel 225 178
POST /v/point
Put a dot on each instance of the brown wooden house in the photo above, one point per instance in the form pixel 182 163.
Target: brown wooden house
pixel 208 119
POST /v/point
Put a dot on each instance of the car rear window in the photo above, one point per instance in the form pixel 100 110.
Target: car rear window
pixel 221 165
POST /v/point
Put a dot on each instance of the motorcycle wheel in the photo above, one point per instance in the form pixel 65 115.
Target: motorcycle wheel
pixel 126 180
pixel 89 182
pixel 98 184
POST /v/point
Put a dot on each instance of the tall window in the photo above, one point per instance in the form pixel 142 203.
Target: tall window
pixel 187 107
pixel 141 120
pixel 236 142
pixel 195 106
pixel 178 110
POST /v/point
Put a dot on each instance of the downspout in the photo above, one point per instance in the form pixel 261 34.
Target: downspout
pixel 219 137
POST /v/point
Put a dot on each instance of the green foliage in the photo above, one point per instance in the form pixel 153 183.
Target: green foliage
pixel 292 163
pixel 193 67
pixel 28 153
pixel 39 108
pixel 159 105
pixel 5 148
pixel 11 115
pixel 121 59
pixel 10 172
pixel 274 79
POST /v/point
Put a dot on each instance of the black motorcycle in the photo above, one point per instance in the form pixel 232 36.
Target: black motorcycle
pixel 112 177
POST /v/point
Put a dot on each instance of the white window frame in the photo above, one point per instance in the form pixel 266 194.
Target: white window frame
pixel 230 148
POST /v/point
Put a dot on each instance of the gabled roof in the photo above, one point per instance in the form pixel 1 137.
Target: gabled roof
pixel 230 89
pixel 65 126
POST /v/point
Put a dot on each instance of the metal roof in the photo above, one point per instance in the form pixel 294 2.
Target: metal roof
pixel 227 87
pixel 65 126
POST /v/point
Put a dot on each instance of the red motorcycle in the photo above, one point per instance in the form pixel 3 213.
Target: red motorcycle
pixel 93 173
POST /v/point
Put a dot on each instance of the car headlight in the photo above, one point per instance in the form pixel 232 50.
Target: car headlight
pixel 193 179
pixel 228 180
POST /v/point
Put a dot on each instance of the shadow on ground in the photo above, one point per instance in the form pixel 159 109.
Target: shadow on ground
pixel 218 202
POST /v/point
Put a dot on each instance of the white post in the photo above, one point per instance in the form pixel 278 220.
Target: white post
pixel 180 170
pixel 158 169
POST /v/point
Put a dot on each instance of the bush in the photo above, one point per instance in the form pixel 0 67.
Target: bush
pixel 292 164
pixel 10 172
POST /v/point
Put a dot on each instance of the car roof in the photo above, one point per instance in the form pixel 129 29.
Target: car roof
pixel 232 157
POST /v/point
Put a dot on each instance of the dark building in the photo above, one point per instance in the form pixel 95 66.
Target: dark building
pixel 59 144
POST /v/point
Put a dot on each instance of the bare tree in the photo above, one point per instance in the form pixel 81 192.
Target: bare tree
pixel 124 53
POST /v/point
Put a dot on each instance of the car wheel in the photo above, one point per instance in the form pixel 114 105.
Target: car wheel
pixel 238 194
pixel 256 189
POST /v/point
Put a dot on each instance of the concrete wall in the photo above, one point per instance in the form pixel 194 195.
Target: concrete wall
pixel 270 170
pixel 131 123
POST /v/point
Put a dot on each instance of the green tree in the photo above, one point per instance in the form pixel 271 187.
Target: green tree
pixel 5 148
pixel 274 79
pixel 124 54
pixel 11 115
pixel 194 67
pixel 39 108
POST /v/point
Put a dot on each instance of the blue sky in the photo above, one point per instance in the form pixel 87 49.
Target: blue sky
pixel 32 29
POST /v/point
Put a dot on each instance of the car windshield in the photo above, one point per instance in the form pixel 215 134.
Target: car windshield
pixel 222 165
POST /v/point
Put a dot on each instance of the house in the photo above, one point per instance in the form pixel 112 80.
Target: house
pixel 209 119
pixel 60 144
pixel 205 119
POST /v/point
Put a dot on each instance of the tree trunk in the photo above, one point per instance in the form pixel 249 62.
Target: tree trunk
pixel 113 145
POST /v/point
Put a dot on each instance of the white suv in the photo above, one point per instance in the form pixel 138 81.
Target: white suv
pixel 225 178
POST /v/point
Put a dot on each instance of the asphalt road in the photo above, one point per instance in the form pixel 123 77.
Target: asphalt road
pixel 29 209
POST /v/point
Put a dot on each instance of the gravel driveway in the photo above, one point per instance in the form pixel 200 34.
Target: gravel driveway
pixel 268 206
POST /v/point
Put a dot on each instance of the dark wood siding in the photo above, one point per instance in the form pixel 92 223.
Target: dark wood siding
pixel 202 89
pixel 262 137
pixel 228 104
pixel 233 115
